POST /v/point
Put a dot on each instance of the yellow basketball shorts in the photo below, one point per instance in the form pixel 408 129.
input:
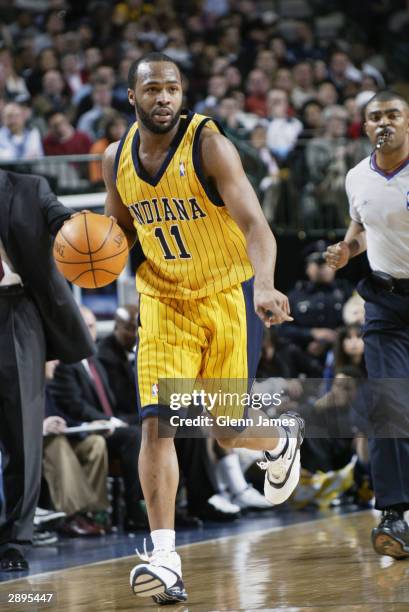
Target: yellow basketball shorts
pixel 215 339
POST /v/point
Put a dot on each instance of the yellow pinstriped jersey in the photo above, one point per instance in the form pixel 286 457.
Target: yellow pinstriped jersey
pixel 191 246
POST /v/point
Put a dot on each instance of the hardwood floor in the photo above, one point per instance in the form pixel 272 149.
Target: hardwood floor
pixel 324 565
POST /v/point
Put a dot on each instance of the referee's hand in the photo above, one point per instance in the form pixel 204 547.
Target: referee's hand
pixel 337 255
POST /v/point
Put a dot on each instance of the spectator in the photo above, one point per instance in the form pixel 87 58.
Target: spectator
pixel 327 162
pixel 115 127
pixel 349 348
pixel 73 74
pixel 81 390
pixel 232 118
pixel 304 89
pixel 327 94
pixel 54 96
pixel 75 469
pixel 341 71
pixel 257 86
pixel 283 130
pixel 216 90
pixel 46 60
pixel 63 138
pixel 11 84
pixel 115 352
pixel 269 186
pixel 284 80
pixel 17 141
pixel 91 122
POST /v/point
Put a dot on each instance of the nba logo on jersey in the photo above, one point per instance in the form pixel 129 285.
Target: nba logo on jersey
pixel 155 390
pixel 182 170
pixel 407 201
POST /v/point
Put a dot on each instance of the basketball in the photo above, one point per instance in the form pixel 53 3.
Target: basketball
pixel 90 250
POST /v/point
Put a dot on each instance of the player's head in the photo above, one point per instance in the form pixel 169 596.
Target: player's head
pixel 387 120
pixel 155 90
pixel 126 326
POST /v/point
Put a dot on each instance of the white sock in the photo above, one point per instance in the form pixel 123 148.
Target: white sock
pixel 163 539
pixel 231 473
pixel 282 441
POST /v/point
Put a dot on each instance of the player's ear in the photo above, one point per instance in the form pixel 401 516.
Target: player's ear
pixel 131 97
pixel 365 126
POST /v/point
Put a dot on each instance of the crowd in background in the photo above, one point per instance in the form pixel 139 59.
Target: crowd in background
pixel 286 79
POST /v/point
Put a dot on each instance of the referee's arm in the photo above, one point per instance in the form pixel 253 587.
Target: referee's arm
pixel 338 255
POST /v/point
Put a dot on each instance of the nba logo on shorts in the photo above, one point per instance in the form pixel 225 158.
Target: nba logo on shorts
pixel 155 390
pixel 407 201
pixel 182 169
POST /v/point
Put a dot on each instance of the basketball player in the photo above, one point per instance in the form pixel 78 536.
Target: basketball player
pixel 207 268
pixel 378 193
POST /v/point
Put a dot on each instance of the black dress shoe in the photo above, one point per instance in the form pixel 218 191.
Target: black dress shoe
pixel 13 561
pixel 186 520
pixel 208 512
pixel 391 537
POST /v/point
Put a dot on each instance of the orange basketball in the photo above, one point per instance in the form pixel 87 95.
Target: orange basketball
pixel 90 250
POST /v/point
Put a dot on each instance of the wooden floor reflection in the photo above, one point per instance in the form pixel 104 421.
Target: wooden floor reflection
pixel 316 566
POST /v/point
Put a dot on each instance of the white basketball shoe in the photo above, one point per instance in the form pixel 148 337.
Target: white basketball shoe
pixel 283 471
pixel 160 577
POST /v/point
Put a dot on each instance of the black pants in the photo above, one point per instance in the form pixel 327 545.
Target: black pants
pixel 196 470
pixel 386 337
pixel 124 444
pixel 22 365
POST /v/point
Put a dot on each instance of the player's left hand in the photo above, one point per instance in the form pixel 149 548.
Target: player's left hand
pixel 272 306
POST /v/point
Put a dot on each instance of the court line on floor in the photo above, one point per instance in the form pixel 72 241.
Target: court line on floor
pixel 210 540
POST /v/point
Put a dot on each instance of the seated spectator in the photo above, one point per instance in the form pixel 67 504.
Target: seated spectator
pixel 75 469
pixel 348 351
pixel 216 90
pixel 257 86
pixel 232 118
pixel 311 117
pixel 82 392
pixel 324 196
pixel 17 140
pixel 114 352
pixel 47 59
pixel 327 94
pixel 91 122
pixel 304 89
pixel 283 130
pixel 115 127
pixel 269 187
pixel 273 362
pixel 11 84
pixel 72 71
pixel 54 96
pixel 63 139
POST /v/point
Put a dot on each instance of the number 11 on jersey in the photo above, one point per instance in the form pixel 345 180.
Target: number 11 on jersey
pixel 167 252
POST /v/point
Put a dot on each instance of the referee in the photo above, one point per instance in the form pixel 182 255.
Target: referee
pixel 378 194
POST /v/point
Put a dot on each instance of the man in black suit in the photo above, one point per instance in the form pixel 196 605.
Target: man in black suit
pixel 39 321
pixel 113 351
pixel 81 390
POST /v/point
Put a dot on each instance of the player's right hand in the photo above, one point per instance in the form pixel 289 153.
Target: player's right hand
pixel 337 255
